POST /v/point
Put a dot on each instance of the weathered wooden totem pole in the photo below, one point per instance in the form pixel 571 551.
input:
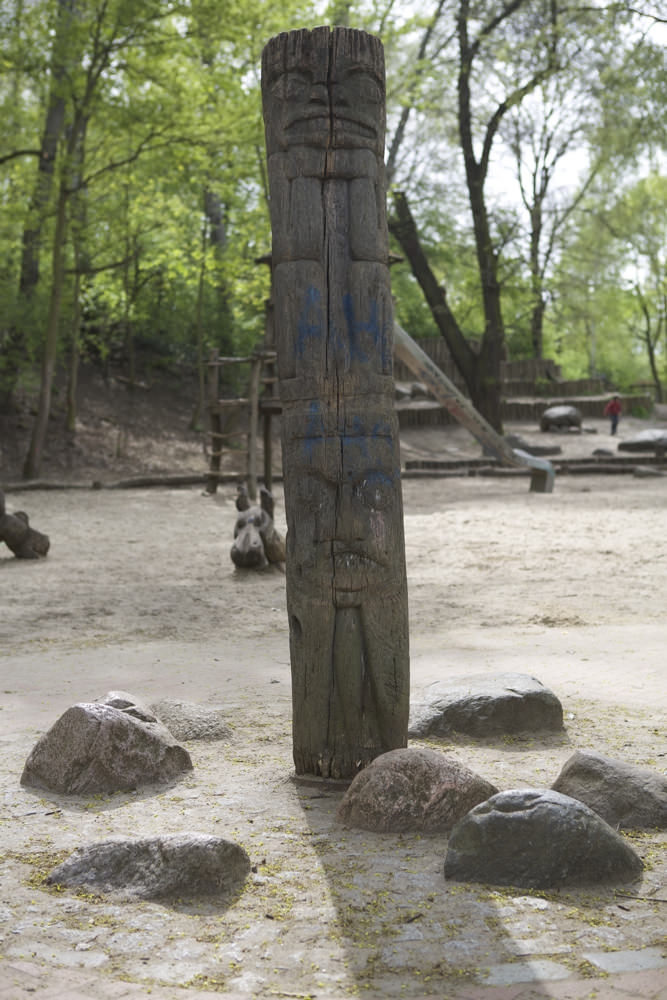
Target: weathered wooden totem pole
pixel 324 111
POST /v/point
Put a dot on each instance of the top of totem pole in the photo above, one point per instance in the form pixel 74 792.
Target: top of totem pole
pixel 324 88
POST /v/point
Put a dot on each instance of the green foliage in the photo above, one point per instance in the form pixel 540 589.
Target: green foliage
pixel 171 103
pixel 166 101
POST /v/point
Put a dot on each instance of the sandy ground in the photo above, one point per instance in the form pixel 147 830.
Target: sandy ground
pixel 138 592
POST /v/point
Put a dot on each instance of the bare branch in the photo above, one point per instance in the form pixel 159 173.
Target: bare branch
pixel 19 152
pixel 405 113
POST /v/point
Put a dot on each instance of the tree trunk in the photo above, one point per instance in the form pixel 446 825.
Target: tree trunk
pixel 215 213
pixel 346 582
pixel 487 396
pixel 74 358
pixel 15 350
pixel 651 342
pixel 34 457
pixel 199 337
pixel 473 367
pixel 536 284
pixel 493 340
pixel 80 260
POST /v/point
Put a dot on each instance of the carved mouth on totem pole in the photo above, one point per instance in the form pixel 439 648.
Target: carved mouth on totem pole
pixel 353 573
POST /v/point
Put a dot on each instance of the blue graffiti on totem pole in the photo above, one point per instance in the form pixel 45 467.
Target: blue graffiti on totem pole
pixel 310 325
pixel 349 346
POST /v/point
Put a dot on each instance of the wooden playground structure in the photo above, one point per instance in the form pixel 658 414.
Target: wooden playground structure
pixel 235 422
pixel 237 419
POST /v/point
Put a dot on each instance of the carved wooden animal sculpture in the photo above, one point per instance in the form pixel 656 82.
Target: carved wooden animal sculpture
pixel 324 110
pixel 15 531
pixel 256 541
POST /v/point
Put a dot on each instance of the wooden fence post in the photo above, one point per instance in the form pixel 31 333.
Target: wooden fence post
pixel 324 110
pixel 215 423
pixel 253 418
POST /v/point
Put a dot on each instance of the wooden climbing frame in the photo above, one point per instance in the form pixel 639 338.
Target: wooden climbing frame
pixel 237 419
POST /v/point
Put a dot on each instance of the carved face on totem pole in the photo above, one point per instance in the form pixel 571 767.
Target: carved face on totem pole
pixel 346 591
pixel 325 90
pixel 345 491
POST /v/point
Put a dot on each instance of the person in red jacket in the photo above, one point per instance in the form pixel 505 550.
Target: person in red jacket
pixel 613 411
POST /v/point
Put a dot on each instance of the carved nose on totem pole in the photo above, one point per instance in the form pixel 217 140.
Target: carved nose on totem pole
pixel 324 114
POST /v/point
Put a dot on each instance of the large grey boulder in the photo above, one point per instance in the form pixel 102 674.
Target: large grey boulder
pixel 97 748
pixel 537 839
pixel 413 789
pixel 648 440
pixel 187 720
pixel 557 418
pixel 623 794
pixel 175 865
pixel 484 704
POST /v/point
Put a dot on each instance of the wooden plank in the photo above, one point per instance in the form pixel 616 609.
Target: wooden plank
pixel 215 424
pixel 229 404
pixel 542 472
pixel 255 373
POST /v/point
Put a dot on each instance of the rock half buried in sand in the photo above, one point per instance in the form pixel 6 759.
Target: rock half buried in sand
pixel 483 704
pixel 185 865
pixel 188 721
pixel 413 789
pixel 537 839
pixel 647 440
pixel 96 748
pixel 623 794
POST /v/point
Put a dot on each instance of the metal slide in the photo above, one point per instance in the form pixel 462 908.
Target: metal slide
pixel 542 473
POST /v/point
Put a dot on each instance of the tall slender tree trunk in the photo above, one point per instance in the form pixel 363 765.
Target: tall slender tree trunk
pixel 80 258
pixel 493 341
pixel 15 349
pixel 651 340
pixel 199 335
pixel 215 214
pixel 536 284
pixel 34 457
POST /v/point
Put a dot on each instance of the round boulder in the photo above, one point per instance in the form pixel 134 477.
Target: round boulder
pixel 175 865
pixel 623 794
pixel 651 439
pixel 557 418
pixel 537 839
pixel 412 789
pixel 96 748
pixel 187 720
pixel 485 704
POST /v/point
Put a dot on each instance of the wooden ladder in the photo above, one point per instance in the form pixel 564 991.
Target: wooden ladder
pixel 237 419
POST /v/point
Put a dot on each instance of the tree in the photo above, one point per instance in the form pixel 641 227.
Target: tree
pixel 480 32
pixel 608 288
pixel 163 124
pixel 62 56
pixel 637 224
pixel 92 41
pixel 598 112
